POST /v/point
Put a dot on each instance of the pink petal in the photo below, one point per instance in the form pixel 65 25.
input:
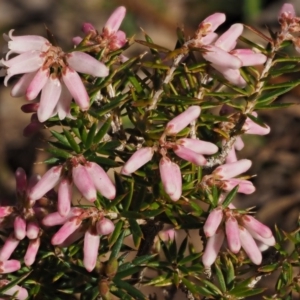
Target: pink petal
pixel 49 98
pixel 250 246
pixel 64 103
pixel 31 252
pixel 287 11
pixel 8 248
pixel 5 211
pixel 212 248
pixel 26 62
pixel 75 236
pixel 105 226
pixel 19 228
pixel 245 186
pixel 33 230
pixel 189 155
pixel 232 234
pixel 114 21
pixel 251 127
pixel 37 83
pixel 227 40
pixel 213 21
pixel 137 160
pixel 231 157
pixel 239 144
pixel 249 57
pixel 56 219
pixel 253 225
pixel 171 178
pixel 119 39
pixel 77 40
pixel 228 171
pixel 183 120
pixel 87 28
pixel 84 183
pixel 213 221
pixel 209 39
pixel 90 250
pixel 232 75
pixel 66 230
pixel 20 88
pixel 9 266
pixel 48 181
pixel 84 63
pixel 221 58
pixel 64 197
pixel 76 88
pixel 101 180
pixel 198 146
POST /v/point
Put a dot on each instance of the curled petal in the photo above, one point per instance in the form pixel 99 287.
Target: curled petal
pixel 47 182
pixel 26 62
pixel 213 221
pixel 228 171
pixel 212 248
pixel 64 197
pixel 66 230
pixel 76 88
pixel 227 40
pixel 114 21
pixel 84 63
pixel 101 180
pixel 189 155
pixel 137 160
pixel 49 98
pixel 84 182
pixel 250 246
pixel 221 58
pixel 90 250
pixel 171 178
pixel 31 252
pixel 233 235
pixel 183 120
pixel 198 146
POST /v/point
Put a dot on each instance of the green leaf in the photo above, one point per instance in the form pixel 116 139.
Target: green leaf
pixel 104 161
pixel 196 290
pixel 90 136
pixel 144 259
pixel 72 141
pixel 220 276
pixel 290 84
pixel 130 289
pixel 115 235
pixel 102 131
pixel 59 153
pixel 269 97
pixel 273 106
pixel 136 232
pixel 246 292
pixel 61 138
pixel 230 197
pixel 153 46
pixel 182 249
pixel 269 268
pixel 189 258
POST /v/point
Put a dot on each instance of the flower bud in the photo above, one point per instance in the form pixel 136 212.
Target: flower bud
pixel 105 226
pixel 19 228
pixel 111 268
pixel 9 266
pixel 287 11
pixel 233 235
pixel 171 178
pixel 245 186
pixel 64 197
pixel 137 160
pixel 183 120
pixel 33 230
pixel 189 155
pixel 57 219
pixel 212 22
pixel 32 251
pixel 213 221
pixel 9 247
pixel 198 146
pixel 228 171
pixel 253 225
pixel 90 250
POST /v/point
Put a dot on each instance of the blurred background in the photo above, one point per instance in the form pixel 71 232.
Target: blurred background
pixel 276 158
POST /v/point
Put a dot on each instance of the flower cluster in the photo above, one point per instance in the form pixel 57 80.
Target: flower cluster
pixel 242 231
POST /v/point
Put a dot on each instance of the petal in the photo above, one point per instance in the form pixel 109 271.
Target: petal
pixel 119 39
pixel 87 28
pixel 239 144
pixel 90 250
pixel 253 225
pixel 189 155
pixel 233 235
pixel 183 120
pixel 31 252
pixel 9 266
pixel 232 75
pixel 105 226
pixel 101 180
pixel 251 127
pixel 137 160
pixel 212 248
pixel 198 146
pixel 64 103
pixel 213 221
pixel 55 218
pixel 114 21
pixel 19 228
pixel 249 57
pixel 250 246
pixel 245 186
pixel 49 98
pixel 221 58
pixel 231 157
pixel 171 178
pixel 209 39
pixel 212 22
pixel 287 11
pixel 76 88
pixel 32 230
pixel 228 171
pixel 84 183
pixel 47 182
pixel 8 248
pixel 84 63
pixel 227 40
pixel 64 197
pixel 37 83
pixel 20 88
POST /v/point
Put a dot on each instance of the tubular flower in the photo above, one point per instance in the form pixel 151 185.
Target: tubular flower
pixel 241 231
pixel 49 70
pixel 111 38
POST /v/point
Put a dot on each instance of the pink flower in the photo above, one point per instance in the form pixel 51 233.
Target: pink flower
pixel 48 69
pixel 90 250
pixel 111 37
pixel 9 266
pixel 105 226
pixel 231 170
pixel 19 292
pixel 213 222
